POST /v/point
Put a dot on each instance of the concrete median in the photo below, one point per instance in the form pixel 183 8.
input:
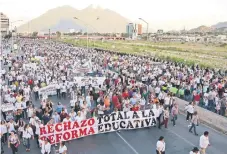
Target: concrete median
pixel 206 117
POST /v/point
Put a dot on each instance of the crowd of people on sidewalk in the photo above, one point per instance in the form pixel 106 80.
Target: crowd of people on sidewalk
pixel 132 83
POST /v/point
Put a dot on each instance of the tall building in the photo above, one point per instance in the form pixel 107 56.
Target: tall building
pixel 133 30
pixel 139 29
pixel 4 24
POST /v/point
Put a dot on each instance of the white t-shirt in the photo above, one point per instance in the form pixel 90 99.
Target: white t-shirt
pixel 62 149
pixel 160 145
pixel 72 102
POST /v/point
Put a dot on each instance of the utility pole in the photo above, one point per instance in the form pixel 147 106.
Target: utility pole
pixel 147 27
pixel 49 34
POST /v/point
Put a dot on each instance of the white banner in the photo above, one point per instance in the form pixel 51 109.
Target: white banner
pixel 86 81
pixel 108 123
pixel 83 67
pixel 48 90
pixel 40 58
pixel 7 107
pixel 29 66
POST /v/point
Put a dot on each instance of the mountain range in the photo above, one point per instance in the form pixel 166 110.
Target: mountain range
pixel 219 27
pixel 62 19
pixel 91 19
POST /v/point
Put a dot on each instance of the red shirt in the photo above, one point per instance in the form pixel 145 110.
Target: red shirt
pixel 125 95
pixel 30 82
pixel 115 101
pixel 197 97
pixel 135 108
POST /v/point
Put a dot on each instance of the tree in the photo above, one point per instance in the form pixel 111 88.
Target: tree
pixel 58 34
pixel 8 36
pixel 34 34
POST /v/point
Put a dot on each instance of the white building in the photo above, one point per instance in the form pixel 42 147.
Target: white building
pixel 221 37
pixel 4 26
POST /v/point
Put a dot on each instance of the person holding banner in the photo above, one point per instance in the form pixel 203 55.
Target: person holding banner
pixel 62 148
pixel 46 147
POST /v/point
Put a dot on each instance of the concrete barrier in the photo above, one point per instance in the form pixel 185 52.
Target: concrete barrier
pixel 207 117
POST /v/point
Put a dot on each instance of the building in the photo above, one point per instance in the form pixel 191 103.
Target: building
pixel 4 24
pixel 133 30
pixel 160 31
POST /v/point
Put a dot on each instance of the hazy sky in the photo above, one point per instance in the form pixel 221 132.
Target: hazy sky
pixel 165 14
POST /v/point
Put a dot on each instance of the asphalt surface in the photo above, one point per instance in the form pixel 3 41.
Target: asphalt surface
pixel 141 141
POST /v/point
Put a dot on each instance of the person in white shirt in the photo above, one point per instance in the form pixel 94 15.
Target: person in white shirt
pixel 38 125
pixel 195 150
pixel 27 135
pixel 11 125
pixel 58 88
pixel 63 91
pixel 160 146
pixel 72 103
pixel 62 148
pixel 204 142
pixel 190 110
pixel 36 92
pixel 45 147
pixel 3 129
pixel 79 118
pixel 157 91
pixel 67 119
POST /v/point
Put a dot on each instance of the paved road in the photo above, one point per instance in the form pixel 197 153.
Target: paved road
pixel 140 141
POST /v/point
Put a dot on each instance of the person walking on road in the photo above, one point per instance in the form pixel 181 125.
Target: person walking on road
pixel 195 150
pixel 204 142
pixel 190 110
pixel 62 148
pixel 13 142
pixel 174 113
pixel 46 147
pixel 194 123
pixel 160 146
pixel 166 117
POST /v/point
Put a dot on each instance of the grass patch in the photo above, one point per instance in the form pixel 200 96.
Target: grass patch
pixel 190 53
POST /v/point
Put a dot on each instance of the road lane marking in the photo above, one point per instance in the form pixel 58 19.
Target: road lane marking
pixel 187 141
pixel 129 145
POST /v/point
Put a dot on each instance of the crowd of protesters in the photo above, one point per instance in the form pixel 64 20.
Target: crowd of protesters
pixel 132 83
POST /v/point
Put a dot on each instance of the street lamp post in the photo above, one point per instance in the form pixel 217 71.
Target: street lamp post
pixel 86 26
pixel 11 26
pixel 147 26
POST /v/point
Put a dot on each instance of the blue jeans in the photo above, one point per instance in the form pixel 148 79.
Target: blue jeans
pixel 27 141
pixel 210 105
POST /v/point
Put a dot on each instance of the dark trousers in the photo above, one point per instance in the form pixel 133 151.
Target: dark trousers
pixel 159 119
pixel 36 95
pixel 63 95
pixel 174 120
pixel 193 126
pixel 24 114
pixel 189 115
pixel 58 93
pixel 37 139
pixel 14 149
pixel 163 152
pixel 222 111
pixel 4 138
pixel 165 122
